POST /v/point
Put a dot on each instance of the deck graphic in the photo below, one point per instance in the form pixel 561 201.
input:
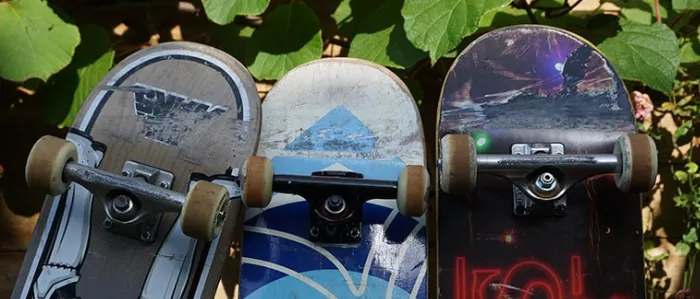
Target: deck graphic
pixel 538 85
pixel 278 260
pixel 337 131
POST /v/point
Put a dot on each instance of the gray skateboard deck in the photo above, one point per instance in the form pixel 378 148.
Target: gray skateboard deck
pixel 170 115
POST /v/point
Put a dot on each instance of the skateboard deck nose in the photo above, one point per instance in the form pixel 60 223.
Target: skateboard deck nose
pixel 153 195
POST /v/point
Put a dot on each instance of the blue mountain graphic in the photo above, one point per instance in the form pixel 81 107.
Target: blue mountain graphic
pixel 337 131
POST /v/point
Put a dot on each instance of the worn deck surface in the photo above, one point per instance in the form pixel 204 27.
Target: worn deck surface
pixel 182 107
pixel 337 114
pixel 536 84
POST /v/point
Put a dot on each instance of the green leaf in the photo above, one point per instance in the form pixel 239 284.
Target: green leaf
pixel 691 167
pixel 290 36
pixel 683 248
pixel 34 41
pixel 234 39
pixel 223 12
pixel 437 26
pixel 683 129
pixel 690 51
pixel 681 200
pixel 648 244
pixel 507 15
pixel 691 236
pixel 549 4
pixel 681 176
pixel 682 5
pixel 652 253
pixel 343 14
pixel 642 11
pixel 380 37
pixel 65 92
pixel 644 53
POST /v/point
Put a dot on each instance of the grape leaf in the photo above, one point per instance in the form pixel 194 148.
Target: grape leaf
pixel 343 14
pixel 437 26
pixel 67 90
pixel 683 248
pixel 549 4
pixel 681 176
pixel 234 38
pixel 647 53
pixel 223 12
pixel 380 37
pixel 683 5
pixel 642 11
pixel 289 37
pixel 503 16
pixel 691 236
pixel 690 52
pixel 34 41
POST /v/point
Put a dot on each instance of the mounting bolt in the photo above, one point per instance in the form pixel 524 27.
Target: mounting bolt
pixel 123 207
pixel 313 231
pixel 546 182
pixel 560 210
pixel 335 204
pixel 107 224
pixel 355 233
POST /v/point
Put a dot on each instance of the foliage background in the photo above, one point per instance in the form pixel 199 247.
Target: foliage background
pixel 53 53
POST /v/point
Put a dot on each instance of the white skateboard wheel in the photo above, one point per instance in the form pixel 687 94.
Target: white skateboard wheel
pixel 45 164
pixel 639 163
pixel 412 190
pixel 257 176
pixel 458 166
pixel 203 210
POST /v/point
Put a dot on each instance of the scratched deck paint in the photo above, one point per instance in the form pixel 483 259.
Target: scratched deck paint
pixel 336 114
pixel 183 107
pixel 538 84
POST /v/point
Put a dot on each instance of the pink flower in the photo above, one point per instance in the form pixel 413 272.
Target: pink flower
pixel 642 105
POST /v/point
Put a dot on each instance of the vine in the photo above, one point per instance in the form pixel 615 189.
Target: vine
pixel 653 45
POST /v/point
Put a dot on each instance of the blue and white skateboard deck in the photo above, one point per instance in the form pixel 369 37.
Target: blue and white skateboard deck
pixel 337 114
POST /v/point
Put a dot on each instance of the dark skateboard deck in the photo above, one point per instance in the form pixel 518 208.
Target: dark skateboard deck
pixel 170 115
pixel 336 115
pixel 526 90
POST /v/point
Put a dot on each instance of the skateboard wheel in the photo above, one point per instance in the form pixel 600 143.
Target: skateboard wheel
pixel 458 167
pixel 412 190
pixel 256 189
pixel 639 163
pixel 203 211
pixel 45 164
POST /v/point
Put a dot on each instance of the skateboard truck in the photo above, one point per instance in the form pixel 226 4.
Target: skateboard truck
pixel 120 210
pixel 542 173
pixel 137 197
pixel 545 182
pixel 335 197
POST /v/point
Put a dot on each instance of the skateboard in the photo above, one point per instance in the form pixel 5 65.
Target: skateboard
pixel 540 171
pixel 336 195
pixel 143 196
